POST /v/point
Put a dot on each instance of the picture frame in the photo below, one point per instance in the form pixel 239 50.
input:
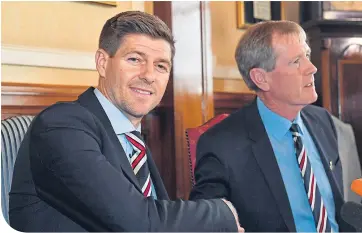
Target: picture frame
pixel 342 10
pixel 342 6
pixel 250 12
pixel 109 3
pixel 330 10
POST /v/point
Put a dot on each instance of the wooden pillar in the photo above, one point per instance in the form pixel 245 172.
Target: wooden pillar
pixel 191 83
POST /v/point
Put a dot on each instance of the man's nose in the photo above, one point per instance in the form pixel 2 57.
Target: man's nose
pixel 311 69
pixel 148 73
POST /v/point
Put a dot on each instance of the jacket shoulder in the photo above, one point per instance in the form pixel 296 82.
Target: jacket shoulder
pixel 321 116
pixel 63 114
pixel 316 113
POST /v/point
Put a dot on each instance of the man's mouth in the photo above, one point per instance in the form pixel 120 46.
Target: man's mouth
pixel 310 84
pixel 142 91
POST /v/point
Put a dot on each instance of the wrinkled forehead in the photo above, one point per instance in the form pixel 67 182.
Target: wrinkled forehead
pixel 288 38
pixel 291 40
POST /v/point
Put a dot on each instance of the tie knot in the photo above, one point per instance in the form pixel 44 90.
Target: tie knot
pixel 137 134
pixel 135 138
pixel 294 128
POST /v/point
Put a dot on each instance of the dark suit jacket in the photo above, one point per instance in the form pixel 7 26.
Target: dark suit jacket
pixel 71 174
pixel 235 160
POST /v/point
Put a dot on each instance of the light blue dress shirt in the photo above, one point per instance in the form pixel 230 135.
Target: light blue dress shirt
pixel 277 128
pixel 120 125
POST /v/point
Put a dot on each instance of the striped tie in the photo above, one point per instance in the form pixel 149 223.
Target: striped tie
pixel 139 162
pixel 310 183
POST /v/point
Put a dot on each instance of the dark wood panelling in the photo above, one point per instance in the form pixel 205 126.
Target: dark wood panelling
pixel 322 10
pixel 23 99
pixel 206 66
pixel 230 85
pixel 164 152
pixel 190 88
pixel 350 95
pixel 337 53
pixel 160 124
pixel 335 36
pixel 230 102
pixel 325 77
pixel 159 136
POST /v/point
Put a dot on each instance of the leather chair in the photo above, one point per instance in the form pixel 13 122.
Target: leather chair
pixel 192 137
pixel 13 130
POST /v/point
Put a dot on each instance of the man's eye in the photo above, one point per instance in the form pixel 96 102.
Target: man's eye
pixel 162 68
pixel 308 56
pixel 296 61
pixel 134 59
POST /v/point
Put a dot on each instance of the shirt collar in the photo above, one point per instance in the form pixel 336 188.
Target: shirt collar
pixel 298 120
pixel 275 124
pixel 120 123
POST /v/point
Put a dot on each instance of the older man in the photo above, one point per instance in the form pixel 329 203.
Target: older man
pixel 277 159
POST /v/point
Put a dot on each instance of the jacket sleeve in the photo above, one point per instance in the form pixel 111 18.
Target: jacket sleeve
pixel 72 175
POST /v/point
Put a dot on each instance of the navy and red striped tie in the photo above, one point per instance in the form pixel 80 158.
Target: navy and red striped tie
pixel 310 183
pixel 139 162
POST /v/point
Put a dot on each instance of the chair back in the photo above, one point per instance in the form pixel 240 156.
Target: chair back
pixel 192 137
pixel 348 154
pixel 13 130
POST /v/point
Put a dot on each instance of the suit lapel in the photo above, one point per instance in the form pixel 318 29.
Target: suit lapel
pixel 265 157
pixel 329 156
pixel 319 138
pixel 90 101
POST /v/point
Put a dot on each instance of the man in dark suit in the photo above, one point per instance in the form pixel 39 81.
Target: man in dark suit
pixel 276 159
pixel 83 166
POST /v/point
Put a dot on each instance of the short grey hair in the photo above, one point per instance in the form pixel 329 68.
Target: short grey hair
pixel 255 49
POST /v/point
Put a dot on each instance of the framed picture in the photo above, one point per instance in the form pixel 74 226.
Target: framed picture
pixel 330 10
pixel 250 12
pixel 109 3
pixel 342 10
pixel 342 6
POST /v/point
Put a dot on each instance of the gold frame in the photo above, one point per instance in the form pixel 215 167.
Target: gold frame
pixel 110 3
pixel 240 17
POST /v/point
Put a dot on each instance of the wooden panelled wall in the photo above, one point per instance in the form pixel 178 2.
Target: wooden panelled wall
pixel 229 102
pixel 30 99
pixel 190 84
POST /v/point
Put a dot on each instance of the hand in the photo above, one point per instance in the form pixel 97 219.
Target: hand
pixel 233 210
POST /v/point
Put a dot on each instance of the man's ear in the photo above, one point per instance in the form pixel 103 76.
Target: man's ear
pixel 259 77
pixel 101 58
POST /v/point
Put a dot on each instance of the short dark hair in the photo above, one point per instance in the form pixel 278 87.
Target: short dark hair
pixel 133 22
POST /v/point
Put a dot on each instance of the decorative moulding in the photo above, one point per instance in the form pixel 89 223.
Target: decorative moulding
pixel 70 59
pixel 45 57
pixel 228 72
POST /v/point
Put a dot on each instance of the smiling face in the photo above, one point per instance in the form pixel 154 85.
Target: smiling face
pixel 291 83
pixel 135 78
